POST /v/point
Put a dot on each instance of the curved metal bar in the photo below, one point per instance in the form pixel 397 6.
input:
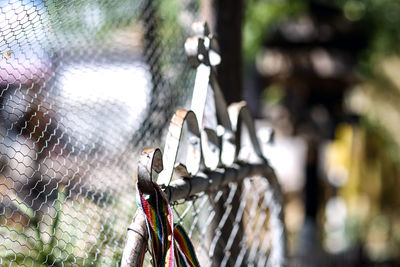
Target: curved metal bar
pixel 210 148
pixel 225 131
pixel 215 146
pixel 200 92
pixel 179 189
pixel 197 54
pixel 199 50
pixel 136 241
pixel 210 181
pixel 172 142
pixel 240 114
pixel 220 104
pixel 150 159
pixel 184 188
pixel 137 236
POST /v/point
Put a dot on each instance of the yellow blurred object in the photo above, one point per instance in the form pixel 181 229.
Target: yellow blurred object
pixel 359 164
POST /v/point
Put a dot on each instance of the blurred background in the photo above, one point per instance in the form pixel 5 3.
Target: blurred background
pixel 325 74
pixel 85 85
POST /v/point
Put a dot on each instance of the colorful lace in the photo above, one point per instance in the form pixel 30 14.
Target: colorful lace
pixel 168 244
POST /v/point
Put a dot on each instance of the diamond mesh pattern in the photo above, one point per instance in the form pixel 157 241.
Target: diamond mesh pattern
pixel 84 86
pixel 239 225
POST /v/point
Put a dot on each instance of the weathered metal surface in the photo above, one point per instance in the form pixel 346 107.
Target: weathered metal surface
pixel 212 149
pixel 193 153
pixel 137 236
pixel 136 242
pixel 151 159
pixel 182 189
pixel 240 115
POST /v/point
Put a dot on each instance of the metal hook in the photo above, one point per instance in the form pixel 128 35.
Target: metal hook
pixel 150 159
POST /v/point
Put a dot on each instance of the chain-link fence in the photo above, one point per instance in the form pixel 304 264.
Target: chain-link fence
pixel 237 225
pixel 214 174
pixel 85 85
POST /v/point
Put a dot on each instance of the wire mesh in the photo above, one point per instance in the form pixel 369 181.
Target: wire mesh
pixel 84 85
pixel 237 225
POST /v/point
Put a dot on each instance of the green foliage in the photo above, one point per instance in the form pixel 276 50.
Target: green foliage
pixel 260 15
pixel 56 238
pixel 40 236
pixel 95 19
pixel 379 22
pixel 378 19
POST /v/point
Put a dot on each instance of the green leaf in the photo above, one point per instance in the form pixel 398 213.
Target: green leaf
pixel 58 208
